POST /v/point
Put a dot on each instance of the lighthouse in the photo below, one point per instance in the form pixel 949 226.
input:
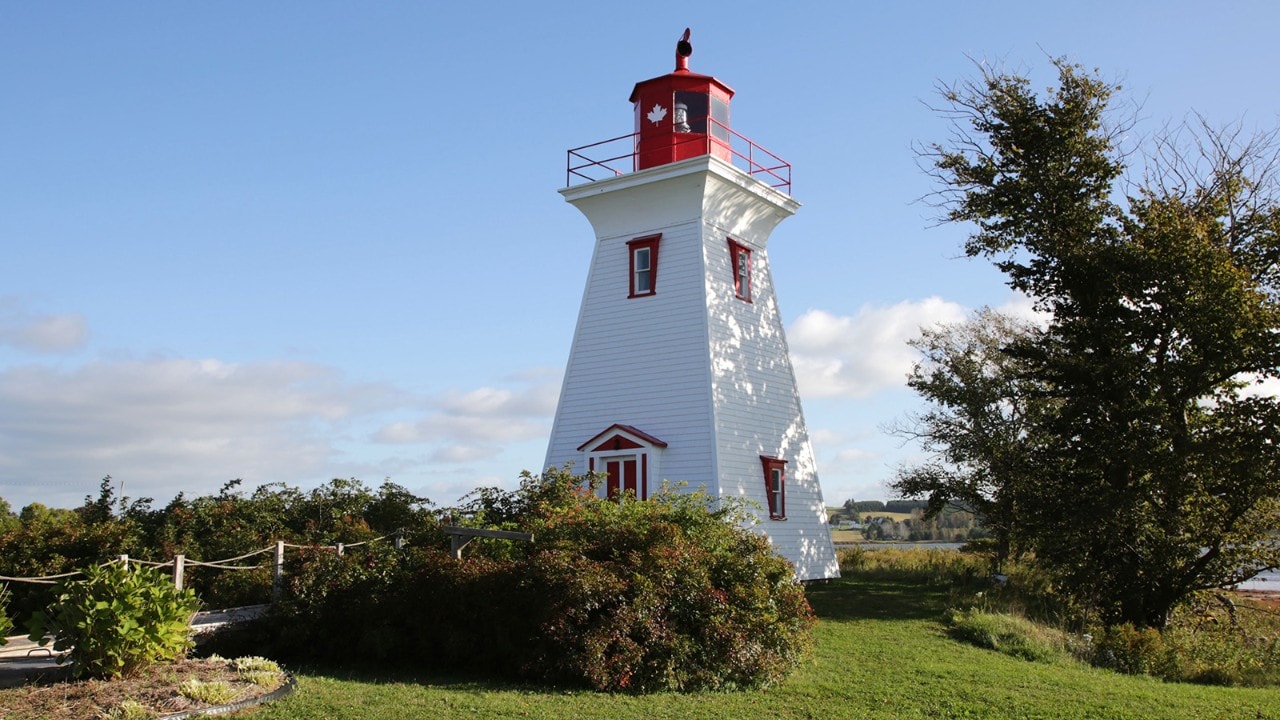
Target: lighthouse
pixel 679 369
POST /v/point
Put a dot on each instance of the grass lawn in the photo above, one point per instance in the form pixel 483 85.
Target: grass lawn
pixel 881 652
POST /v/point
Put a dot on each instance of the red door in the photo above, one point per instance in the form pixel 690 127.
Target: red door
pixel 622 477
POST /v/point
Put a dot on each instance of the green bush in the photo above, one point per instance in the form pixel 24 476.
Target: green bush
pixel 1217 640
pixel 6 625
pixel 666 594
pixel 1010 634
pixel 235 588
pixel 1135 651
pixel 337 605
pixel 116 620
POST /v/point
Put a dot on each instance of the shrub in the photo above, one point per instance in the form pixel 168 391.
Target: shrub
pixel 1010 634
pixel 337 605
pixel 666 594
pixel 117 620
pixel 669 594
pixel 234 588
pixel 1135 651
pixel 6 625
pixel 1217 640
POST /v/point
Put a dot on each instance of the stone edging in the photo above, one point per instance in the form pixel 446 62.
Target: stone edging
pixel 285 690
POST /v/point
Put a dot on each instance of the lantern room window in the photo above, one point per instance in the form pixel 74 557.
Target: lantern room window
pixel 690 113
pixel 740 257
pixel 775 486
pixel 644 265
pixel 720 119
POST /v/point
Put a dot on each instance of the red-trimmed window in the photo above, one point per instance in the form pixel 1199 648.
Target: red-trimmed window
pixel 644 265
pixel 775 486
pixel 740 256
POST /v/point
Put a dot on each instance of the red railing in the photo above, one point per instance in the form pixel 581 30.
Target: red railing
pixel 619 156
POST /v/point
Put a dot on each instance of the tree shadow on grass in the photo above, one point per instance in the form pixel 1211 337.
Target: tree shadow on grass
pixel 878 597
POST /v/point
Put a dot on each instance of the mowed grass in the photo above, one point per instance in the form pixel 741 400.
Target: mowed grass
pixel 881 651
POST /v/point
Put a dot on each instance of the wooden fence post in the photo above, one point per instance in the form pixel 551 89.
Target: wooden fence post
pixel 124 560
pixel 277 573
pixel 339 547
pixel 179 568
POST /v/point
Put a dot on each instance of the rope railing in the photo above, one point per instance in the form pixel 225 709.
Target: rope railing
pixel 41 579
pixel 218 566
pixel 180 562
pixel 240 557
pixel 460 536
pixel 150 563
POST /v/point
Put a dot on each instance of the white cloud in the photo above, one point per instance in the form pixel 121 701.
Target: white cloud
pixel 855 355
pixel 856 456
pixel 167 425
pixel 465 453
pixel 476 424
pixel 40 333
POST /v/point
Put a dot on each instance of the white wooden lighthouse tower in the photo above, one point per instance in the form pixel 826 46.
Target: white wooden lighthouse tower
pixel 679 369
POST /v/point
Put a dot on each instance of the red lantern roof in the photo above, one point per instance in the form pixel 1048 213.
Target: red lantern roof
pixel 679 116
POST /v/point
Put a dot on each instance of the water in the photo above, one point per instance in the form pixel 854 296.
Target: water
pixel 1269 580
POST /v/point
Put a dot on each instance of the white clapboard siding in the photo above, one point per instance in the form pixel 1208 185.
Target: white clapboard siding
pixel 692 365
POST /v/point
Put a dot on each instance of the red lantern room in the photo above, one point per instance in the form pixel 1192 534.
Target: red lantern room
pixel 681 115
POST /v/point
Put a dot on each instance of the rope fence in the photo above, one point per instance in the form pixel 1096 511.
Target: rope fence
pixel 180 563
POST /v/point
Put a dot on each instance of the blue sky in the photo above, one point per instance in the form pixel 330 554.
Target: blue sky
pixel 294 241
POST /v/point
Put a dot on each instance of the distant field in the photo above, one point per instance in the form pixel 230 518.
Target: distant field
pixel 898 516
pixel 846 536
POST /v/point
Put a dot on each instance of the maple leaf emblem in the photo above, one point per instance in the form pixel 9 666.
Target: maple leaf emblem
pixel 656 114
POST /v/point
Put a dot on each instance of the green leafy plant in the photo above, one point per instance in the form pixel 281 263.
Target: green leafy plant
pixel 209 693
pixel 115 620
pixel 6 625
pixel 1135 651
pixel 1010 634
pixel 259 671
pixel 128 710
pixel 254 663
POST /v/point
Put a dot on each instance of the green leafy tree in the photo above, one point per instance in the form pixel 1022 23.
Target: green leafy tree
pixel 976 427
pixel 1150 470
pixel 8 520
